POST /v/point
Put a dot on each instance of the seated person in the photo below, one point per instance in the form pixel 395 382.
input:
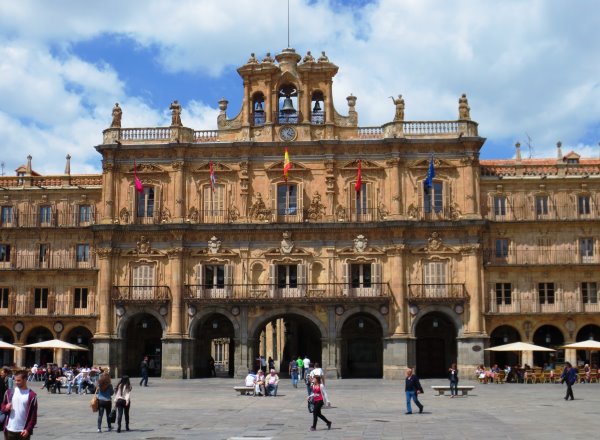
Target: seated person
pixel 259 383
pixel 272 380
pixel 250 380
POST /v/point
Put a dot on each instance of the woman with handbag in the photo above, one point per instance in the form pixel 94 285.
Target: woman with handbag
pixel 122 402
pixel 104 392
pixel 317 398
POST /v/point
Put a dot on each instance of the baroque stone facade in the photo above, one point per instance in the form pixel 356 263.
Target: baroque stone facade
pixel 365 279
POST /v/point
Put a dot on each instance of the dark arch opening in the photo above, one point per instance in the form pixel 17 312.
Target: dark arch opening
pixel 81 336
pixel 587 332
pixel 362 347
pixel 39 356
pixel 551 337
pixel 214 347
pixel 285 337
pixel 6 356
pixel 436 345
pixel 505 334
pixel 142 338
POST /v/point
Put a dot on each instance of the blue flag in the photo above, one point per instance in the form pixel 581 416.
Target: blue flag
pixel 430 175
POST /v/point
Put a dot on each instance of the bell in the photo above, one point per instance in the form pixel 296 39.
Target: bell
pixel 259 107
pixel 317 107
pixel 288 105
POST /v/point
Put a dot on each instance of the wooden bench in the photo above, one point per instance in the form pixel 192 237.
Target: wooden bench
pixel 464 389
pixel 244 391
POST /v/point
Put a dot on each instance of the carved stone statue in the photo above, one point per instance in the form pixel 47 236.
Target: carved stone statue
pixel 360 243
pixel 124 216
pixel 287 245
pixel 399 103
pixel 259 210
pixel 308 58
pixel 323 58
pixel 176 114
pixel 193 214
pixel 116 116
pixel 267 58
pixel 252 59
pixel 143 246
pixel 214 245
pixel 464 111
pixel 316 209
pixel 434 242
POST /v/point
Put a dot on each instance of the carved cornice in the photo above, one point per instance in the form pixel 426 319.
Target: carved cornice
pixel 147 168
pixel 175 252
pixel 104 252
pixel 177 165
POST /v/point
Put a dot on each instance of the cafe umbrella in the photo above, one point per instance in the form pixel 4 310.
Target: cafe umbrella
pixel 587 345
pixel 55 344
pixel 519 347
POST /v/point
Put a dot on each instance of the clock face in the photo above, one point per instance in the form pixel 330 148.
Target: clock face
pixel 287 133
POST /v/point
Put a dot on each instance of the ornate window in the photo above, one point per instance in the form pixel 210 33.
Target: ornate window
pixel 80 298
pixel 6 216
pixel 4 253
pixel 362 206
pixel 145 203
pixel 499 206
pixel 589 292
pixel 83 253
pixel 434 277
pixel 583 205
pixel 85 214
pixel 142 281
pixel 40 298
pixel 288 280
pixel 362 278
pixel 214 204
pixel 503 293
pixel 214 280
pixel 44 255
pixel 45 215
pixel 541 205
pixel 546 293
pixel 433 198
pixel 502 245
pixel 4 296
pixel 287 199
pixel 586 249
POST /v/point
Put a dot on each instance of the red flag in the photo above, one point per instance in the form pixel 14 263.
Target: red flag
pixel 138 184
pixel 213 179
pixel 358 185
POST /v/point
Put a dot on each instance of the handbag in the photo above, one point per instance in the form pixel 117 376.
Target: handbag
pixel 94 402
pixel 112 417
pixel 311 404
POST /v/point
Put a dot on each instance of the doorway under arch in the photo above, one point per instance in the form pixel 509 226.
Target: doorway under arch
pixel 6 356
pixel 81 336
pixel 551 337
pixel 504 334
pixel 585 333
pixel 436 345
pixel 39 356
pixel 142 338
pixel 215 338
pixel 284 337
pixel 362 347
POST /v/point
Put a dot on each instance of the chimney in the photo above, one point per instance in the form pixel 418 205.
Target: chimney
pixel 28 169
pixel 518 147
pixel 559 155
pixel 68 165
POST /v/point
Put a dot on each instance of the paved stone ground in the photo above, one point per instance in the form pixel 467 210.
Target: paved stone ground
pixel 362 409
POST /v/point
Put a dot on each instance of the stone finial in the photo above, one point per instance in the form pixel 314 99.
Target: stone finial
pixel 351 101
pixel 175 114
pixel 252 59
pixel 117 113
pixel 518 155
pixel 559 155
pixel 464 111
pixel 223 105
pixel 28 168
pixel 323 58
pixel 68 165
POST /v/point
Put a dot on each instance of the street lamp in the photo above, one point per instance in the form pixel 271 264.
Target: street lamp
pixel 361 323
pixel 435 323
pixel 548 338
pixel 144 324
pixel 215 324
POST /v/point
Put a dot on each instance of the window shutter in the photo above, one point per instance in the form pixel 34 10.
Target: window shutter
pixel 346 279
pixel 228 269
pixel 206 211
pixel 447 189
pixel 420 195
pixel 300 204
pixel 273 203
pixel 199 281
pixel 302 279
pixel 376 278
pixel 157 214
pixel 272 280
pixel 132 205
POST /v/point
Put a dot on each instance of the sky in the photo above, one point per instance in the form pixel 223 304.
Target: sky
pixel 530 68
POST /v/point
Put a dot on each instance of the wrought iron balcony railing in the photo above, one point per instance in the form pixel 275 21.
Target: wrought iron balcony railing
pixel 538 256
pixel 48 220
pixel 50 305
pixel 430 292
pixel 49 260
pixel 288 292
pixel 552 212
pixel 564 305
pixel 141 294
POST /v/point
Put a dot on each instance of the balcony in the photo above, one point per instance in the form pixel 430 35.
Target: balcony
pixel 141 294
pixel 361 215
pixel 538 257
pixel 56 260
pixel 528 305
pixel 444 213
pixel 301 293
pixel 54 220
pixel 553 213
pixel 437 293
pixel 62 305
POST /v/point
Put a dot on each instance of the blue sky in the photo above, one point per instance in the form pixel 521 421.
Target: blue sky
pixel 529 67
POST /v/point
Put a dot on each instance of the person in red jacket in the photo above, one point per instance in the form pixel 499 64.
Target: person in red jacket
pixel 20 407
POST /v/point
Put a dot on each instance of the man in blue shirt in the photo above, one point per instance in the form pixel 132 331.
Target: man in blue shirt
pixel 569 375
pixel 412 389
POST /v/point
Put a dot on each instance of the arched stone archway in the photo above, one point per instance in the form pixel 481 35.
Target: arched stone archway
pixel 39 356
pixel 362 347
pixel 81 336
pixel 551 337
pixel 436 344
pixel 504 334
pixel 142 336
pixel 214 337
pixel 587 332
pixel 6 356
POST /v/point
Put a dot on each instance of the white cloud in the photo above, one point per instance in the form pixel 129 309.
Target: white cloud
pixel 527 66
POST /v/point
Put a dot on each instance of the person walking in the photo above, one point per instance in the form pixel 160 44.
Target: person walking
pixel 305 365
pixel 4 375
pixel 20 406
pixel 569 375
pixel 412 388
pixel 317 397
pixel 293 371
pixel 144 366
pixel 123 402
pixel 105 391
pixel 453 378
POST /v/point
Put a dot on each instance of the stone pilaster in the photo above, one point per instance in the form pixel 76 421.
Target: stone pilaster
pixel 104 290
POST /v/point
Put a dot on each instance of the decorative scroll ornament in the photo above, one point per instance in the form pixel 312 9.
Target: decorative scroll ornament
pixel 259 210
pixel 287 245
pixel 143 246
pixel 316 209
pixel 214 245
pixel 360 243
pixel 434 242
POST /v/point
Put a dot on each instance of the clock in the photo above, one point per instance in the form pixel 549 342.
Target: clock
pixel 58 326
pixel 287 133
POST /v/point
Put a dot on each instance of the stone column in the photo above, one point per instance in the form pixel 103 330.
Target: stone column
pixel 328 104
pixel 473 286
pixel 19 355
pixel 470 189
pixel 179 191
pixel 104 290
pixel 396 196
pixel 176 260
pixel 108 192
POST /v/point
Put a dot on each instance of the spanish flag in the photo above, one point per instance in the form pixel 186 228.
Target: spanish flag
pixel 286 164
pixel 138 184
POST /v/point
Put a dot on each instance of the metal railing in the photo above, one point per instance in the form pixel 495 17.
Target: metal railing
pixel 50 260
pixel 433 213
pixel 434 292
pixel 560 305
pixel 51 220
pixel 54 305
pixel 553 212
pixel 359 215
pixel 141 293
pixel 290 291
pixel 538 256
